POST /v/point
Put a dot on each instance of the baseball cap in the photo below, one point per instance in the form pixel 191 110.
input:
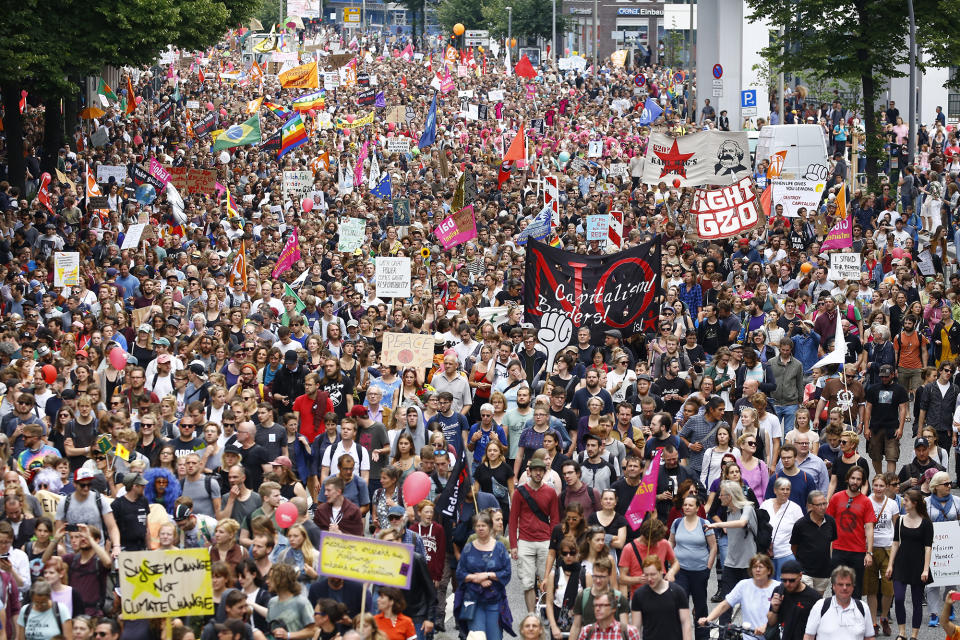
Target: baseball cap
pixel 130 479
pixel 536 463
pixel 921 442
pixel 234 448
pixel 396 510
pixel 613 333
pixel 358 411
pixel 111 272
pixel 283 461
pixel 791 566
pixel 182 512
pixel 290 356
pixel 163 358
pixel 146 328
pixel 164 341
pixel 197 368
pixel 886 370
pixel 82 474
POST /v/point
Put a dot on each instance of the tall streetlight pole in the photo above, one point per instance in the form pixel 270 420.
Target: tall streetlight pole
pixel 596 36
pixel 780 101
pixel 509 28
pixel 553 41
pixel 912 140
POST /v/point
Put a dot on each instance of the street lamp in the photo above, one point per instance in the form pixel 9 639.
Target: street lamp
pixel 912 140
pixel 553 42
pixel 509 24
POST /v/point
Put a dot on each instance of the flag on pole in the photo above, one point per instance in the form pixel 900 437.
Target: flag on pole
pixel 518 148
pixel 43 194
pixel 384 190
pixel 507 69
pixel 239 135
pixel 254 105
pixel 289 255
pixel 358 168
pixel 373 177
pixel 308 101
pixel 840 236
pixel 524 68
pixel 300 304
pixel 839 353
pixel 238 272
pixel 430 127
pixel 644 501
pixel 104 90
pixel 293 134
pixel 651 111
pixel 200 75
pixel 232 211
pixel 278 110
pixel 300 278
pixel 842 203
pixel 131 98
pixel 504 174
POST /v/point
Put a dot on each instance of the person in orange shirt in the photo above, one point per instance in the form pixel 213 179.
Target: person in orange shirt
pixel 911 348
pixel 394 624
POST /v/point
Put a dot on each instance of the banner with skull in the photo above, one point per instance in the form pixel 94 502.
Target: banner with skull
pixel 715 158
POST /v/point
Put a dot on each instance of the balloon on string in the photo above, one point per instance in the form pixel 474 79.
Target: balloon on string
pixel 416 488
pixel 307 205
pixel 223 112
pixel 806 267
pixel 897 252
pixel 564 157
pixel 49 373
pixel 145 194
pixel 209 106
pixel 118 358
pixel 458 29
pixel 286 514
pixel 224 157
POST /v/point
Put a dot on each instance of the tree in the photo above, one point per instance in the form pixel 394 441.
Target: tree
pixel 531 18
pixel 859 41
pixel 54 44
pixel 418 18
pixel 467 12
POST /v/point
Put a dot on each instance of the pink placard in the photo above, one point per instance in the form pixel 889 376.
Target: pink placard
pixel 457 228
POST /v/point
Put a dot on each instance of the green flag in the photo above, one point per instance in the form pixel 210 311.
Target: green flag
pixel 287 291
pixel 239 135
pixel 104 89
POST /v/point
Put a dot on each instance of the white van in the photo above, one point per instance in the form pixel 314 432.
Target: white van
pixel 804 144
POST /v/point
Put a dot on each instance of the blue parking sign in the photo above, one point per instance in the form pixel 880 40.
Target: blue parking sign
pixel 748 98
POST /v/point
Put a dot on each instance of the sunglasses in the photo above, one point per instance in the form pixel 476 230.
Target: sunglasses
pixel 568 554
pixel 844 442
pixel 751 443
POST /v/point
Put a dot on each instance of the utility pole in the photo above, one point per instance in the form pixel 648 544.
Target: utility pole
pixel 780 100
pixel 553 41
pixel 596 36
pixel 509 27
pixel 912 140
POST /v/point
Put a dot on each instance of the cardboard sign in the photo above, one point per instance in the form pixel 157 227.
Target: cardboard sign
pixel 398 145
pixel 201 181
pixel 596 149
pixel 178 178
pixel 131 239
pixel 366 560
pixel 407 350
pixel 945 556
pixel 352 233
pixel 794 194
pixel 66 269
pixel 401 212
pixel 97 202
pixel 457 228
pixel 597 227
pixel 844 265
pixel 297 185
pixel 393 277
pixel 725 212
pixel 106 171
pixel 165 584
pixel 496 95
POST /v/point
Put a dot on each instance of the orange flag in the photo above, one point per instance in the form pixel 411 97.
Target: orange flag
pixel 842 202
pixel 765 201
pixel 776 164
pixel 518 148
pixel 131 99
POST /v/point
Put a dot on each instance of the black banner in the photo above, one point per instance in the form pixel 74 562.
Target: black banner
pixel 165 112
pixel 367 97
pixel 142 176
pixel 363 79
pixel 615 291
pixel 203 128
pixel 272 143
pixel 482 112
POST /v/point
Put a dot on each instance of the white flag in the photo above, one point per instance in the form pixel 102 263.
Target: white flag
pixel 839 353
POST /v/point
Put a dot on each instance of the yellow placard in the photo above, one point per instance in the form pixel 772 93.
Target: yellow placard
pixel 366 560
pixel 66 269
pixel 166 584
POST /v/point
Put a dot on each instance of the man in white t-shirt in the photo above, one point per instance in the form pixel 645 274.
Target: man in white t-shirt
pixel 845 618
pixel 347 445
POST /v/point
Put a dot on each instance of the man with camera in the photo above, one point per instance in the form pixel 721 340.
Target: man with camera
pixel 791 602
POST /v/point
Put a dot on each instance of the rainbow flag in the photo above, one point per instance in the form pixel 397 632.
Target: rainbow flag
pixel 278 110
pixel 554 241
pixel 315 100
pixel 293 134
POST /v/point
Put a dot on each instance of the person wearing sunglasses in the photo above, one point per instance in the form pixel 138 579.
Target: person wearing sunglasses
pixel 791 602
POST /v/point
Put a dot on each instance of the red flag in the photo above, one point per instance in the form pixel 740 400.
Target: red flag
pixel 403 81
pixel 200 75
pixel 524 68
pixel 518 148
pixel 765 201
pixel 504 173
pixel 43 195
pixel 23 100
pixel 131 98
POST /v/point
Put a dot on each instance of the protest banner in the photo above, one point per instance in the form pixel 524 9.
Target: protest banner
pixel 352 232
pixel 703 158
pixel 645 499
pixel 401 212
pixel 457 228
pixel 66 269
pixel 538 228
pixel 398 145
pixel 945 555
pixel 407 349
pixel 142 176
pixel 595 150
pixel 178 178
pixel 393 277
pixel 158 171
pixel 613 291
pixel 794 194
pixel 840 236
pixel 202 181
pixel 131 239
pixel 726 212
pixel 296 185
pixel 117 172
pixel 495 95
pixel 844 265
pixel 597 227
pixel 165 584
pixel 389 564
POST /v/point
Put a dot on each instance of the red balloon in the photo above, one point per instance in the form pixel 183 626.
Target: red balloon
pixel 676 182
pixel 897 252
pixel 49 373
pixel 209 106
pixel 118 358
pixel 286 514
pixel 307 205
pixel 416 488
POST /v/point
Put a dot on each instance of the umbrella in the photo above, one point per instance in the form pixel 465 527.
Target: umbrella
pixel 92 112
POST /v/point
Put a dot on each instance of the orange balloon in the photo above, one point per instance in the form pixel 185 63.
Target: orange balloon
pixel 513 42
pixel 458 29
pixel 806 267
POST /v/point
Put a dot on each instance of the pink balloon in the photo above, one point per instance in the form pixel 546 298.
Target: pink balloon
pixel 223 112
pixel 139 99
pixel 897 252
pixel 286 514
pixel 349 118
pixel 209 106
pixel 118 358
pixel 137 140
pixel 416 488
pixel 391 126
pixel 307 205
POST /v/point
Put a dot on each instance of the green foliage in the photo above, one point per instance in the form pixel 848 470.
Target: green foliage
pixel 268 12
pixel 531 18
pixel 467 12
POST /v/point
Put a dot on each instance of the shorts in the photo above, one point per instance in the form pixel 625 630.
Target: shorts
pixel 884 444
pixel 909 378
pixel 531 561
pixel 873 575
pixel 820 584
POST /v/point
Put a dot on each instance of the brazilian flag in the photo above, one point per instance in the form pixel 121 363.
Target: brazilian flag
pixel 239 135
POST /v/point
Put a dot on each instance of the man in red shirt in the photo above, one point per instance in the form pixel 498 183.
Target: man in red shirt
pixel 311 407
pixel 534 513
pixel 855 520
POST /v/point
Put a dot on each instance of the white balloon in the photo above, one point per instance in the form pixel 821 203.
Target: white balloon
pixel 224 157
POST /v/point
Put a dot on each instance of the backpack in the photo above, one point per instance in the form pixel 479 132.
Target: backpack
pixel 828 601
pixel 99 498
pixel 56 615
pixel 763 536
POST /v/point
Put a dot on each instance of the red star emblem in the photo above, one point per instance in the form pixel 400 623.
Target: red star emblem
pixel 674 162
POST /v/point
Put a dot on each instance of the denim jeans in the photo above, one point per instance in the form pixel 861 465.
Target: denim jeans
pixel 788 415
pixel 778 563
pixel 695 584
pixel 721 550
pixel 487 620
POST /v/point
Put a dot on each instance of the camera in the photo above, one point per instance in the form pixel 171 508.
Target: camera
pixel 72 528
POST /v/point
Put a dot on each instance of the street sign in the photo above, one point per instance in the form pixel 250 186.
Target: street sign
pixel 476 37
pixel 476 33
pixel 640 80
pixel 718 71
pixel 718 92
pixel 351 14
pixel 748 111
pixel 748 98
pixel 616 35
pixel 717 84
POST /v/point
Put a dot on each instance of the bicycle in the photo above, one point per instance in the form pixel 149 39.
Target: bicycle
pixel 731 631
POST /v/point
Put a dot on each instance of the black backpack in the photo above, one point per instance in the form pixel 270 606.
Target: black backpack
pixel 763 536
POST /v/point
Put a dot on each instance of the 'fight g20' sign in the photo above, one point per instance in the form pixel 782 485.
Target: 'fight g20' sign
pixel 615 291
pixel 726 212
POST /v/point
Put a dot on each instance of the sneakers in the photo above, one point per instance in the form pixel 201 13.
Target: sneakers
pixel 717 597
pixel 934 620
pixel 885 624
